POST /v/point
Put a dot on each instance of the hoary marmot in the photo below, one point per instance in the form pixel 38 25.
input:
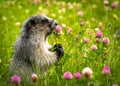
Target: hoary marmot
pixel 32 50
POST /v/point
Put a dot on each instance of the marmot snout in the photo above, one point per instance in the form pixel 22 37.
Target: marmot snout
pixel 32 50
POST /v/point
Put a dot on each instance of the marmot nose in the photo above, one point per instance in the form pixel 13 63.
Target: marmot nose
pixel 54 23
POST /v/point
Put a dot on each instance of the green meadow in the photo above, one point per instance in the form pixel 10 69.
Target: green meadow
pixel 79 19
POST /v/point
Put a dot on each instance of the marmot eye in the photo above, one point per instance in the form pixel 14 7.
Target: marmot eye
pixel 32 22
pixel 44 21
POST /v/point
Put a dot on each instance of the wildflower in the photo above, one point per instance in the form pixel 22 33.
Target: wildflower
pixel 77 75
pixel 81 23
pixel 93 19
pixel 53 15
pixel 12 16
pixel 107 9
pixel 34 77
pixel 36 1
pixel 63 4
pixel 100 25
pixel 64 25
pixel 115 4
pixel 99 34
pixel 87 22
pixel 94 47
pixel 16 79
pixel 19 7
pixel 114 36
pixel 99 40
pixel 4 18
pixel 47 3
pixel 87 72
pixel 94 6
pixel 86 40
pixel 26 11
pixel 68 75
pixel 106 2
pixel 59 11
pixel 114 84
pixel 106 40
pixel 80 13
pixel 69 31
pixel 58 29
pixel 63 10
pixel 77 37
pixel 40 8
pixel 17 23
pixel 70 6
pixel 106 70
pixel 97 29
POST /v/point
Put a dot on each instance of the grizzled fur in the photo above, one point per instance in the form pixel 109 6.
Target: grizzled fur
pixel 32 50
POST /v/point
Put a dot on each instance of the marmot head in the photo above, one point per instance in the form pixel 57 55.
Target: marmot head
pixel 39 25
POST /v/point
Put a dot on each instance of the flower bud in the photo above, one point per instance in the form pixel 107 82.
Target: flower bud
pixel 86 40
pixel 115 4
pixel 16 79
pixel 99 40
pixel 106 2
pixel 114 84
pixel 106 40
pixel 80 13
pixel 68 75
pixel 94 47
pixel 69 31
pixel 99 34
pixel 77 75
pixel 106 70
pixel 87 72
pixel 58 29
pixel 34 77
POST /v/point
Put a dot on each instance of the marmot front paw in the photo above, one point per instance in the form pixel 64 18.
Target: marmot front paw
pixel 59 50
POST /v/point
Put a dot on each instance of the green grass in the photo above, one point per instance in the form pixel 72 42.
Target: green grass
pixel 12 11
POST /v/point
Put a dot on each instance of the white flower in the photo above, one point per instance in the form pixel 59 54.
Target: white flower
pixel 87 72
pixel 17 23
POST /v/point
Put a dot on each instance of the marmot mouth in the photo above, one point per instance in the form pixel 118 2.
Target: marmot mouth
pixel 52 27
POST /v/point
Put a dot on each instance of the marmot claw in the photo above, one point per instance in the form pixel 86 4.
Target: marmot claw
pixel 59 50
